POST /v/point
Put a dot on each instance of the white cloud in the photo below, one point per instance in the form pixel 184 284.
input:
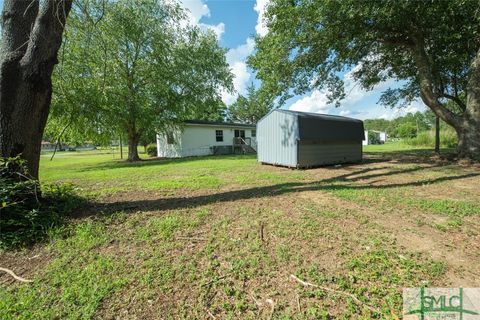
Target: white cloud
pixel 195 11
pixel 316 102
pixel 236 59
pixel 241 52
pixel 412 108
pixel 240 80
pixel 355 92
pixel 260 8
pixel 218 29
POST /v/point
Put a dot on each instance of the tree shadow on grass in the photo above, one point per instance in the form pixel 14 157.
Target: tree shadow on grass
pixel 410 156
pixel 172 203
pixel 424 155
pixel 363 173
pixel 160 162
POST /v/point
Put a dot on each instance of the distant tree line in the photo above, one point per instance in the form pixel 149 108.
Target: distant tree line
pixel 407 126
pixel 414 128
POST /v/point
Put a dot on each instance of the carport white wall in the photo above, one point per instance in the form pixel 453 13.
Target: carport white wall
pixel 277 135
pixel 302 140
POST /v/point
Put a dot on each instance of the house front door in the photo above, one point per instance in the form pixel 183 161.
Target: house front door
pixel 240 134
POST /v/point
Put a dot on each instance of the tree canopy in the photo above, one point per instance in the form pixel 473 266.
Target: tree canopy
pixel 249 108
pixel 129 67
pixel 431 46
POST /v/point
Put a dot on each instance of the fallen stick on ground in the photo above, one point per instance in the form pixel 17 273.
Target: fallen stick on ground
pixel 10 272
pixel 354 298
pixel 210 314
pixel 213 280
pixel 191 238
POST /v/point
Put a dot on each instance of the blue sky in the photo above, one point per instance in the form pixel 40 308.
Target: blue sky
pixel 236 22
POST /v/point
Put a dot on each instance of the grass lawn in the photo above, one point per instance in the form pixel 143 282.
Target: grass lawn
pixel 221 237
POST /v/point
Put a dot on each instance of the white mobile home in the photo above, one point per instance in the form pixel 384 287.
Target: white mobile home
pixel 201 138
pixel 302 140
pixel 374 137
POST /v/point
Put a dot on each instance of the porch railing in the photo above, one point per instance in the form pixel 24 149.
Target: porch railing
pixel 238 141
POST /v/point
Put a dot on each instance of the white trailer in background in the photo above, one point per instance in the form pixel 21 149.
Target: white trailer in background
pixel 379 137
pixel 202 138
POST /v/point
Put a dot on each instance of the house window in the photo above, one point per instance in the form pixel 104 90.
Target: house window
pixel 170 139
pixel 219 135
pixel 254 133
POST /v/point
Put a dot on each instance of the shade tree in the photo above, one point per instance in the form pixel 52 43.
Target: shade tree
pixel 432 47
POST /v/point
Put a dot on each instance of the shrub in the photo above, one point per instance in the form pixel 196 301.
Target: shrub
pixel 152 150
pixel 26 213
pixel 407 130
pixel 424 139
pixel 374 138
pixel 448 139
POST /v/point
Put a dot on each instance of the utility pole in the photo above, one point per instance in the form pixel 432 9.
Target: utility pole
pixel 121 150
pixel 437 134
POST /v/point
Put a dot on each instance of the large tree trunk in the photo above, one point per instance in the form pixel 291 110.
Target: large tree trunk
pixel 467 125
pixel 469 141
pixel 469 128
pixel 32 35
pixel 133 139
pixel 468 131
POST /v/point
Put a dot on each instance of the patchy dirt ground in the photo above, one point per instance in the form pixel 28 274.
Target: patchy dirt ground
pixel 230 251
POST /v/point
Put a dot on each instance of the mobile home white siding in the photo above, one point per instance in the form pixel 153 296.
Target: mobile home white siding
pixel 199 140
pixel 365 141
pixel 166 150
pixel 382 137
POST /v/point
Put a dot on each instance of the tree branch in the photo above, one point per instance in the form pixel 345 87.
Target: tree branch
pixel 396 41
pixel 10 272
pixel 343 293
pixel 426 84
pixel 457 100
pixel 60 136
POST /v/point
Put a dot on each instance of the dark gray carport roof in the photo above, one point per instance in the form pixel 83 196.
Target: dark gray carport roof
pixel 327 128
